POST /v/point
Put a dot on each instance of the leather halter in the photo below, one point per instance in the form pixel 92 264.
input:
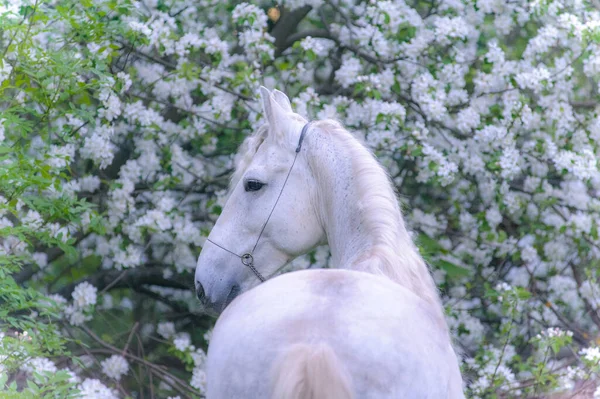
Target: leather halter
pixel 247 258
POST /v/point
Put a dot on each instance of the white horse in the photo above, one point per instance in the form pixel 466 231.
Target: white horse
pixel 374 329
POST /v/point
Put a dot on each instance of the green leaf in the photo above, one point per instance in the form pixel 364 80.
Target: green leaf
pixel 451 269
pixel 386 18
pixel 429 245
pixel 522 293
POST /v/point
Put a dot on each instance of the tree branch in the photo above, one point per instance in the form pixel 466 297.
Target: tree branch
pixel 53 254
pixel 171 67
pixel 320 33
pixel 286 25
pixel 129 278
pixel 181 386
pixel 157 297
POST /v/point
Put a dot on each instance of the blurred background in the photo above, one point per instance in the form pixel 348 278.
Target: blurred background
pixel 119 123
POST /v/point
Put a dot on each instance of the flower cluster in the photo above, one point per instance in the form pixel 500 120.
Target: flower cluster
pixel 84 298
pixel 115 367
pixel 93 388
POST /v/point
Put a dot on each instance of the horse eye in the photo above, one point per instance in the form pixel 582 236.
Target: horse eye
pixel 253 185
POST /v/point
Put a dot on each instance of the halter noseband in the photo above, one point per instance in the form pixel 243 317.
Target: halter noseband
pixel 247 259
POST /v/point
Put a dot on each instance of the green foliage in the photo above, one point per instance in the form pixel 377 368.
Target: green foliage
pixel 31 183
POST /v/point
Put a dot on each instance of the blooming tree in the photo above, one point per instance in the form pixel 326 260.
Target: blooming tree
pixel 119 122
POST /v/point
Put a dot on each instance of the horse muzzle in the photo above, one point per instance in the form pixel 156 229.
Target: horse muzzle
pixel 217 303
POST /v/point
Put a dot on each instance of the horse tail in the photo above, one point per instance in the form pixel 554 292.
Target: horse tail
pixel 310 372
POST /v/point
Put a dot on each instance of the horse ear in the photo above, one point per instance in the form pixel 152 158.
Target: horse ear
pixel 265 95
pixel 274 113
pixel 282 100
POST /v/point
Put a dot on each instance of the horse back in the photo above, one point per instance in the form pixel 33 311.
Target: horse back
pixel 388 340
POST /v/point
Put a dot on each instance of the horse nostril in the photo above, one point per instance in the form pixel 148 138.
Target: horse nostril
pixel 200 291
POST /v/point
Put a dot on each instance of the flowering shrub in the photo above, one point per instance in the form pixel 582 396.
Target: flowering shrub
pixel 118 124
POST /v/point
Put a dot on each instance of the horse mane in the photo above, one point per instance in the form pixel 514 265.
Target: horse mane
pixel 394 253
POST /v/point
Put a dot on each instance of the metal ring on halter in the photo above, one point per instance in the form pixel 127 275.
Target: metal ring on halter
pixel 247 259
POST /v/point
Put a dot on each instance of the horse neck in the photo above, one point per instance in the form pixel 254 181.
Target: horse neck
pixel 360 213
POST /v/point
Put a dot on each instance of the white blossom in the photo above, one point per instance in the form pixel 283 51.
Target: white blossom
pixel 39 365
pixel 92 388
pixel 5 67
pixel 2 130
pixel 182 342
pixel 84 295
pixel 115 367
pixel 76 315
pixel 166 329
pixel 591 354
pixel 199 379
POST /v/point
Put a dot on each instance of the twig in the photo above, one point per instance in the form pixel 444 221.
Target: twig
pixel 114 282
pixel 160 371
pixel 133 330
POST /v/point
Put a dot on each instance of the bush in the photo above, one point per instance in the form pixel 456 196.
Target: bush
pixel 118 124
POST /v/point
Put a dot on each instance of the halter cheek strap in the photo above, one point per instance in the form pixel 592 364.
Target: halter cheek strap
pixel 301 139
pixel 247 258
